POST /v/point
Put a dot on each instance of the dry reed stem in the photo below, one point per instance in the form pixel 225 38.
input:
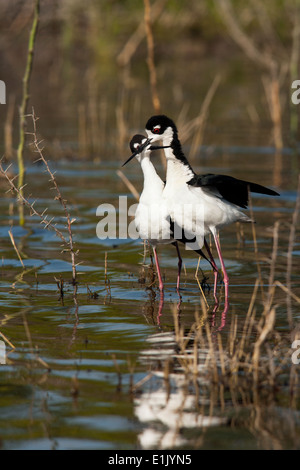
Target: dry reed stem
pixel 7 340
pixel 232 335
pixel 142 381
pixel 202 117
pixel 292 237
pixel 221 354
pixel 267 328
pixel 176 325
pixel 249 320
pixel 29 339
pixel 94 125
pixel 121 121
pixel 151 65
pixel 266 24
pixel 15 247
pixel 241 38
pixel 294 386
pixel 150 57
pixel 288 291
pixel 271 288
pixel 274 253
pixel 272 91
pixel 276 68
pixel 199 284
pixel 129 185
pixel 82 131
pixel 136 38
pixel 211 356
pixel 255 243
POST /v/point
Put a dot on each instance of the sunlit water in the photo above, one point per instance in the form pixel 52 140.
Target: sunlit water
pixel 88 372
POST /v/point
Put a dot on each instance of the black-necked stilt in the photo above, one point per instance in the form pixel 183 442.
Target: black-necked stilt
pixel 216 200
pixel 152 218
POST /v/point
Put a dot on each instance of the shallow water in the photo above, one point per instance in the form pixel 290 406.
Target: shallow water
pixel 88 372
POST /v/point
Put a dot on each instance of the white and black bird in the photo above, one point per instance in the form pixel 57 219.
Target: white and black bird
pixel 201 204
pixel 152 219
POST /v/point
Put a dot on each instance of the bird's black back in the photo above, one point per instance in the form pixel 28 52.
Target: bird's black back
pixel 231 189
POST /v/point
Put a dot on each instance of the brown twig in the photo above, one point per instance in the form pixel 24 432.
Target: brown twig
pixel 198 282
pixel 292 237
pixel 242 39
pixel 7 340
pixel 136 38
pixel 150 57
pixel 44 219
pixel 59 197
pixel 275 67
pixel 200 120
pixel 255 244
pixel 129 185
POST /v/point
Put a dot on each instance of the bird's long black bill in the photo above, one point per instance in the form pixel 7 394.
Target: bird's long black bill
pixel 157 147
pixel 130 158
pixel 141 148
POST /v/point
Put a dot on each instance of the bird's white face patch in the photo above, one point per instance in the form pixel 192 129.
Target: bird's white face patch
pixel 154 137
pixel 158 132
pixel 168 135
pixel 137 145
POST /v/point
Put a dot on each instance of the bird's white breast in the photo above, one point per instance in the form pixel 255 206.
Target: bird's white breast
pixel 152 222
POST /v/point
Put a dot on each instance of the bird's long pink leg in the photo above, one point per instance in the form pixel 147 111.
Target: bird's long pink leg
pixel 179 266
pixel 215 269
pixel 225 275
pixel 160 307
pixel 161 284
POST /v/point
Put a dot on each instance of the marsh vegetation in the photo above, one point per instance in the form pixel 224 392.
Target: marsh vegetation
pixel 93 360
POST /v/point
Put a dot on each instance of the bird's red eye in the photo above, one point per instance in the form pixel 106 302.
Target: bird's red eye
pixel 156 130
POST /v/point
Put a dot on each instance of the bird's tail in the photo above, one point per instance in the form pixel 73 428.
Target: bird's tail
pixel 258 188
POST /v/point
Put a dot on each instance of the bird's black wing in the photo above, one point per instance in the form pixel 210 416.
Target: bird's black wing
pixel 229 188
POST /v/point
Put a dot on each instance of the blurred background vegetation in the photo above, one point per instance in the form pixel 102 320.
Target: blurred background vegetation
pixel 90 79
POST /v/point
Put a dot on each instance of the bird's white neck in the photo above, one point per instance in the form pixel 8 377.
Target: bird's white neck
pixel 178 167
pixel 178 171
pixel 152 181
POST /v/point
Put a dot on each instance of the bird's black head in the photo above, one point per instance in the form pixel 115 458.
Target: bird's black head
pixel 157 125
pixel 136 142
pixel 161 127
